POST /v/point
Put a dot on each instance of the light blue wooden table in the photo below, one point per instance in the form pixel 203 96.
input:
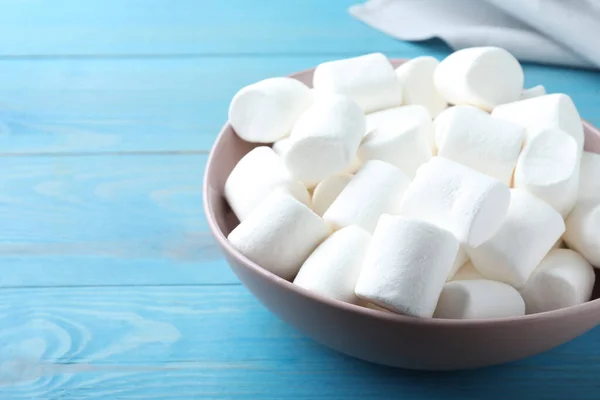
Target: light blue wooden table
pixel 110 284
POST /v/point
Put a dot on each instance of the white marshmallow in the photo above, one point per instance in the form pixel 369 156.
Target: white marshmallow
pixel 459 261
pixel 563 279
pixel 327 191
pixel 583 231
pixel 471 137
pixel 548 168
pixel 530 229
pixel 369 80
pixel 549 111
pixel 325 139
pixel 377 188
pixel 281 146
pixel 266 111
pixel 255 176
pixel 466 202
pixel 589 178
pixel 400 136
pixel 536 91
pixel 484 77
pixel 280 234
pixel 406 265
pixel 467 273
pixel 416 78
pixel 333 268
pixel 479 299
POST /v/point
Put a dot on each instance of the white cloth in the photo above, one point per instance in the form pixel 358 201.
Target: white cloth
pixel 564 32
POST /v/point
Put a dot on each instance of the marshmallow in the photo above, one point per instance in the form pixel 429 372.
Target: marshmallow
pixel 466 202
pixel 354 166
pixel 369 80
pixel 563 279
pixel 266 111
pixel 327 191
pixel 281 146
pixel 280 234
pixel 530 93
pixel 459 261
pixel 467 273
pixel 325 139
pixel 377 188
pixel 552 111
pixel 333 268
pixel 400 136
pixel 484 77
pixel 583 231
pixel 255 176
pixel 471 137
pixel 530 229
pixel 479 299
pixel 406 265
pixel 416 78
pixel 548 168
pixel 589 178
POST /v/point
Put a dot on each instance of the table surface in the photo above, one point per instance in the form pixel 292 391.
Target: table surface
pixel 110 284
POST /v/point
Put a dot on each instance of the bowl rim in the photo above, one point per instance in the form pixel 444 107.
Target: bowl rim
pixel 353 308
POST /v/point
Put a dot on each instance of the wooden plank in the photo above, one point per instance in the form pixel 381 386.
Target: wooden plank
pixel 133 105
pixel 106 220
pixel 218 343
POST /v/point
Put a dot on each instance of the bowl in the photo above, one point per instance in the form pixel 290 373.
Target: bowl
pixel 379 336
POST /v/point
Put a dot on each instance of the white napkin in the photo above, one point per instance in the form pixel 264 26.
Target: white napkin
pixel 564 32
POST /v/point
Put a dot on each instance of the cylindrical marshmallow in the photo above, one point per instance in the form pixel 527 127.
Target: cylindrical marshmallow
pixel 484 77
pixel 583 231
pixel 563 279
pixel 280 234
pixel 589 178
pixel 327 191
pixel 370 80
pixel 377 188
pixel 466 202
pixel 255 176
pixel 552 110
pixel 399 136
pixel 333 268
pixel 471 137
pixel 325 139
pixel 461 258
pixel 266 111
pixel 406 265
pixel 467 273
pixel 536 91
pixel 416 78
pixel 548 168
pixel 528 232
pixel 479 299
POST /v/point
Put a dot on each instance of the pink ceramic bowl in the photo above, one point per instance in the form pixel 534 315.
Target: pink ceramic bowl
pixel 382 337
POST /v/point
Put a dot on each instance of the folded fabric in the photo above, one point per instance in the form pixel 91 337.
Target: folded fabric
pixel 545 31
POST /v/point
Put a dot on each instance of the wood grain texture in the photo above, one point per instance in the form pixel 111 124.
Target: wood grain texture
pixel 218 342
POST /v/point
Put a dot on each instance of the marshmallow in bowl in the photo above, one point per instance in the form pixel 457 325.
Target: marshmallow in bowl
pixel 589 178
pixel 536 91
pixel 325 139
pixel 255 176
pixel 471 137
pixel 370 80
pixel 583 231
pixel 466 202
pixel 333 268
pixel 416 78
pixel 528 232
pixel 484 77
pixel 327 191
pixel 265 111
pixel 552 110
pixel 376 189
pixel 467 272
pixel 563 279
pixel 461 259
pixel 279 234
pixel 406 265
pixel 548 168
pixel 399 136
pixel 479 299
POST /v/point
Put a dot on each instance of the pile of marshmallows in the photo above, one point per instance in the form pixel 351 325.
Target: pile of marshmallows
pixel 376 192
